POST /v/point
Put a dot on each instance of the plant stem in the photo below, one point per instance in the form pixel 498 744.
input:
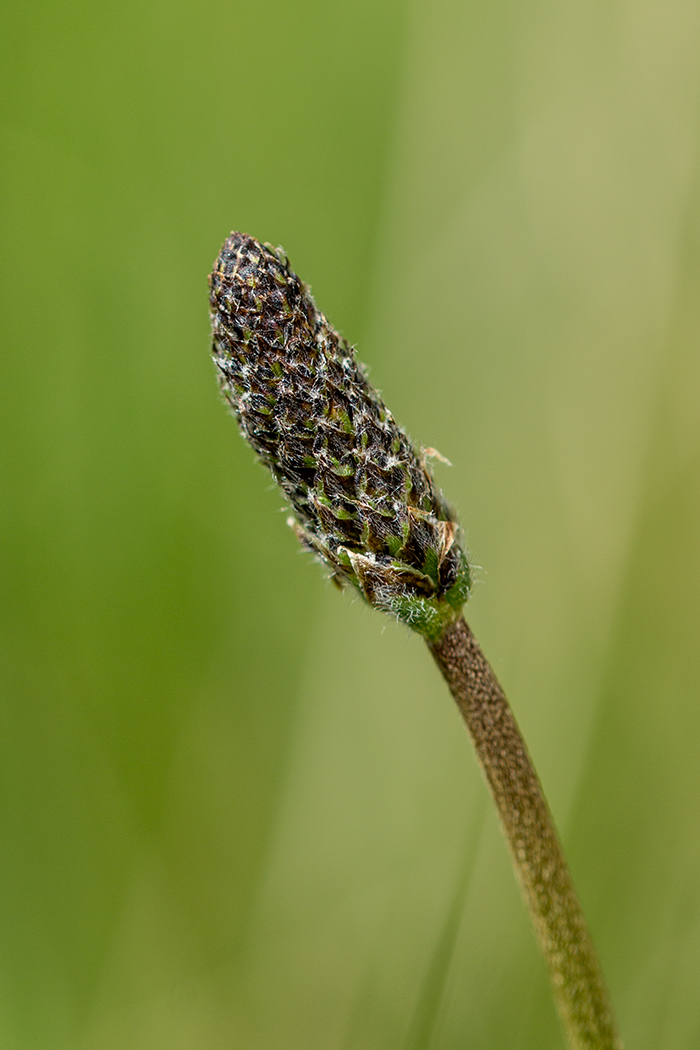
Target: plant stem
pixel 543 874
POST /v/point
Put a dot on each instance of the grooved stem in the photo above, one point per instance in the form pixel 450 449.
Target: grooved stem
pixel 543 874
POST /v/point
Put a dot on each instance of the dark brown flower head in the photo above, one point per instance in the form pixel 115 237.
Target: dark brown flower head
pixel 364 499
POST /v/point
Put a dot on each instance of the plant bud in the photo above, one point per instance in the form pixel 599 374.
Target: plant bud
pixel 364 500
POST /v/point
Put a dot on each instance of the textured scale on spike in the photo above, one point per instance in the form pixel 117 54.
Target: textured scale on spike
pixel 363 498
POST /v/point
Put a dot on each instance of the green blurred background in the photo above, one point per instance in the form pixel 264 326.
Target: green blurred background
pixel 237 810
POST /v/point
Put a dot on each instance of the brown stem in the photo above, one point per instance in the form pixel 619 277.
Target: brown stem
pixel 538 859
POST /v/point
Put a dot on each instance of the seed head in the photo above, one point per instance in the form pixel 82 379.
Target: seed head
pixel 364 499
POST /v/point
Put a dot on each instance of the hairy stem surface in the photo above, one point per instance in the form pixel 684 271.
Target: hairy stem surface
pixel 541 869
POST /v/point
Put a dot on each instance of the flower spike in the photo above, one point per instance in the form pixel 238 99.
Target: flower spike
pixel 364 499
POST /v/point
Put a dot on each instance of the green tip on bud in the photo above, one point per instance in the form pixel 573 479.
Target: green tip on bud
pixel 364 499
